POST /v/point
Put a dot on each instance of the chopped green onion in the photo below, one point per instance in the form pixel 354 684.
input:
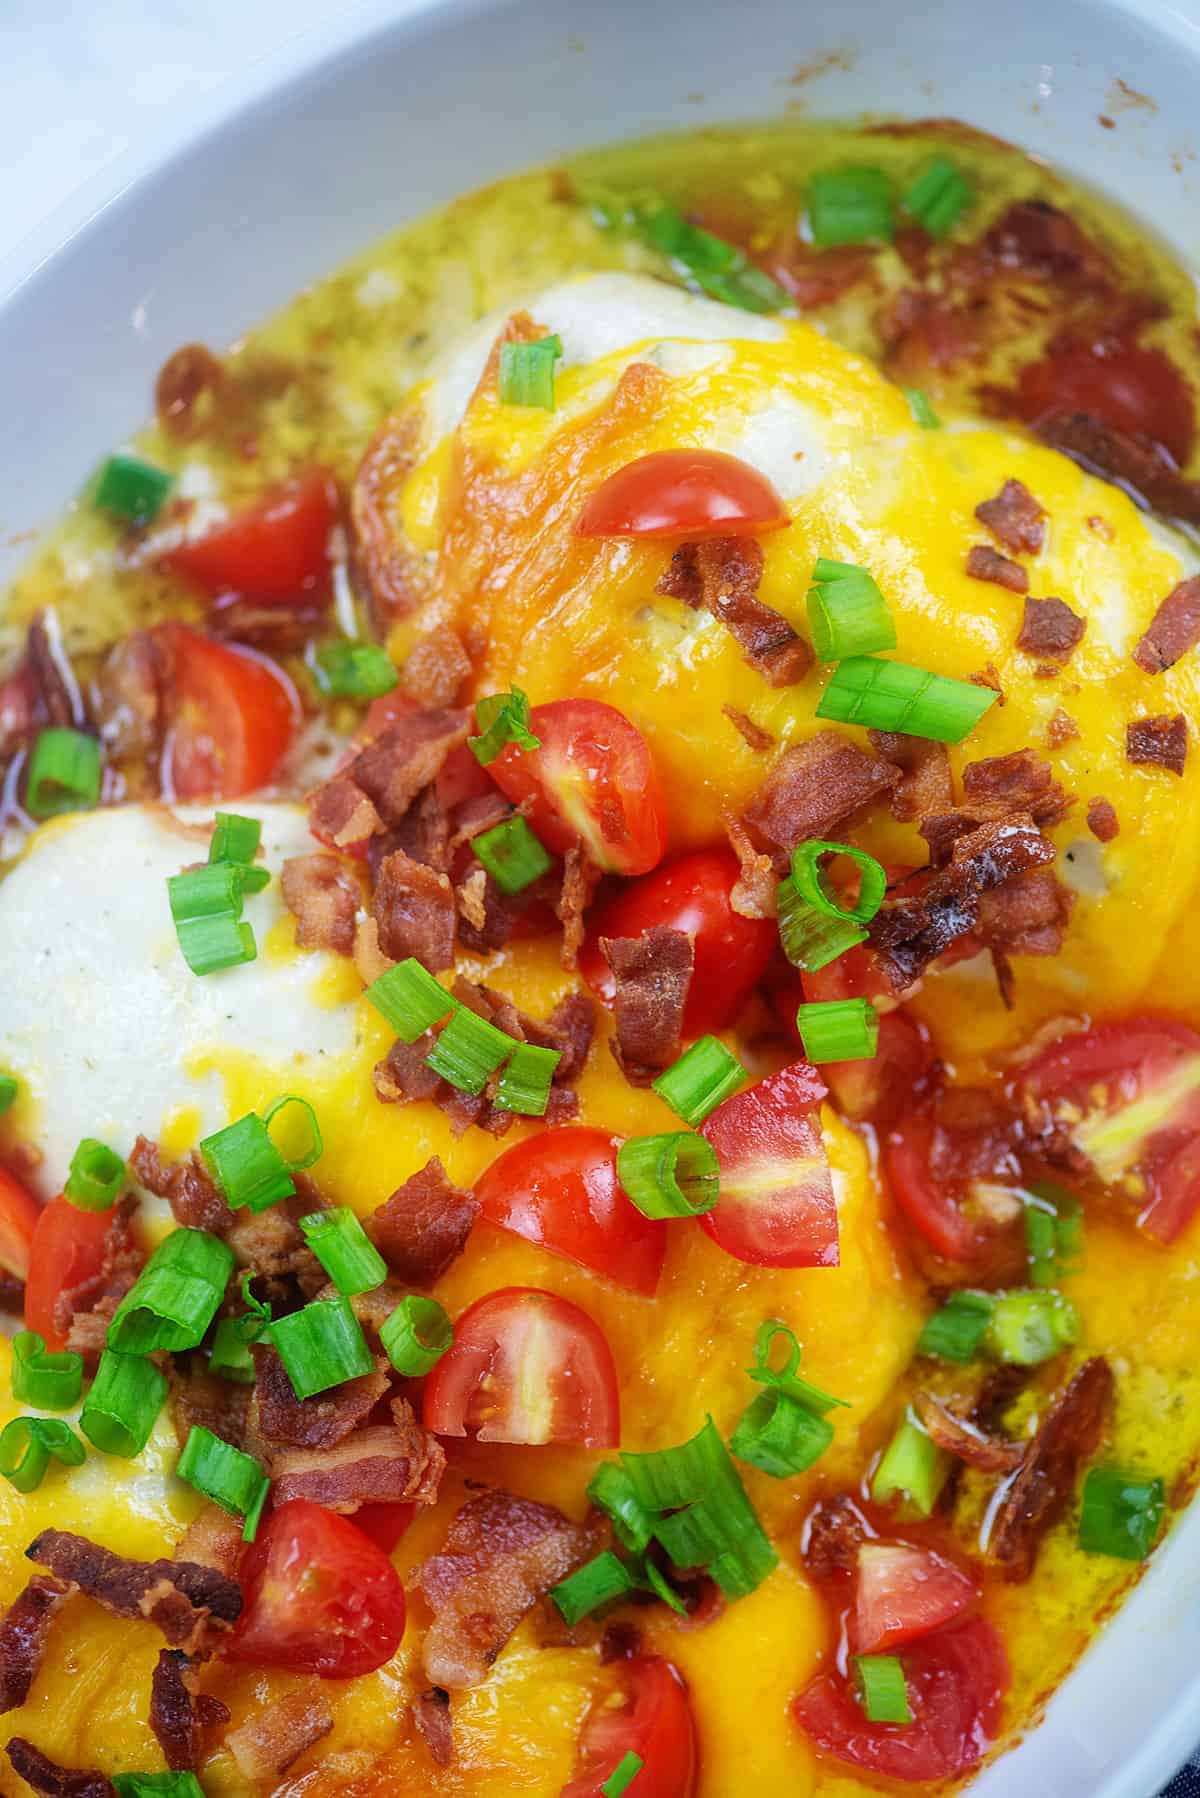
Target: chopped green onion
pixel 469 1050
pixel 651 1580
pixel 233 1480
pixel 811 939
pixel 234 839
pixel 527 372
pixel 416 1335
pixel 895 696
pixel 321 1346
pixel 718 268
pixel 175 1297
pixel 595 1584
pixel 206 904
pixel 344 1249
pixel 780 1437
pixel 95 1176
pixel 956 1332
pixel 131 489
pixel 881 1688
pixel 1053 1234
pixel 938 197
pixel 847 614
pixel 512 855
pixel 122 1404
pixel 51 1382
pixel 1121 1513
pixel 849 205
pixel 787 1378
pixel 410 999
pixel 8 1092
pixel 229 1357
pixel 157 1785
pixel 705 1074
pixel 354 670
pixel 64 773
pixel 26 1445
pixel 923 413
pixel 622 1775
pixel 526 1081
pixel 673 1175
pixel 615 1493
pixel 502 718
pixel 701 1513
pixel 1027 1328
pixel 314 1146
pixel 247 1163
pixel 912 1468
pixel 809 882
pixel 838 1029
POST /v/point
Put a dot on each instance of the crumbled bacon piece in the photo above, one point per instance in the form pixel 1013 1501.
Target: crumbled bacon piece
pixel 406 757
pixel 274 1738
pixel 1102 820
pixel 188 1188
pixel 1027 915
pixel 1133 463
pixel 322 895
pixel 131 696
pixel 1174 628
pixel 186 1601
pixel 1041 1491
pixel 1014 518
pixel 723 573
pixel 212 1539
pixel 1061 729
pixel 652 973
pixel 192 373
pixel 482 811
pixel 320 1422
pixel 202 1398
pixel 925 780
pixel 178 1714
pixel 578 884
pixel 423 833
pixel 962 1438
pixel 52 673
pixel 753 894
pixel 51 1780
pixel 1040 239
pixel 500 1555
pixel 833 1535
pixel 1050 628
pixel 23 1632
pixel 340 813
pixel 414 912
pixel 1158 742
pixel 436 667
pixel 1022 782
pixel 431 1716
pixel 987 676
pixel 100 1292
pixel 987 564
pixel 383 1464
pixel 752 735
pixel 814 785
pixel 424 1226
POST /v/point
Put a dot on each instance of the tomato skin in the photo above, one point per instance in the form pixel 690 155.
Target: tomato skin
pixel 690 493
pixel 776 1207
pixel 592 781
pixel 902 1592
pixel 1135 389
pixel 886 1087
pixel 19 1217
pixel 518 1342
pixel 67 1249
pixel 690 893
pixel 320 1596
pixel 560 1189
pixel 233 713
pixel 956 1678
pixel 276 551
pixel 656 1724
pixel 932 1206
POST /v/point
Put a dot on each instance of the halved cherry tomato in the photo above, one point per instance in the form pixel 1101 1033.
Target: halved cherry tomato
pixel 592 782
pixel 67 1248
pixel 19 1215
pixel 956 1679
pixel 683 493
pixel 275 551
pixel 655 1724
pixel 691 893
pixel 902 1592
pixel 881 1089
pixel 776 1207
pixel 232 717
pixel 384 1523
pixel 1128 1096
pixel 560 1189
pixel 319 1596
pixel 1132 388
pixel 948 1180
pixel 526 1366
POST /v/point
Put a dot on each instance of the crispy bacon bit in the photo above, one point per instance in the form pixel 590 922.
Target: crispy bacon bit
pixel 186 1601
pixel 23 1633
pixel 482 811
pixel 569 1028
pixel 1174 628
pixel 1138 467
pixel 423 833
pixel 960 1437
pixel 413 908
pixel 188 1188
pixel 1061 729
pixel 383 1464
pixel 1041 239
pixel 621 1641
pixel 500 1555
pixel 12 1294
pixel 653 973
pixel 393 572
pixel 424 1226
pixel 1102 820
pixel 471 895
pixel 178 1713
pixel 1050 628
pixel 501 912
pixel 1158 742
pixel 1027 915
pixel 185 378
pixel 130 696
pixel 833 1535
pixel 322 895
pixel 988 676
pixel 51 1780
pixel 274 1738
pixel 752 735
pixel 200 1397
pixel 723 574
pixel 925 780
pixel 281 1417
pixel 52 673
pixel 340 813
pixel 212 1539
pixel 814 785
pixel 987 564
pixel 1014 518
pixel 101 1292
pixel 1020 781
pixel 753 894
pixel 431 1715
pixel 436 667
pixel 406 757
pixel 1041 1489
pixel 578 884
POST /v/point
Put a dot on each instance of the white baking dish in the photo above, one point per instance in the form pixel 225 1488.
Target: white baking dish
pixel 398 107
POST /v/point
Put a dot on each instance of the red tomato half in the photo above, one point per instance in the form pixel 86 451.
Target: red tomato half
pixel 526 1366
pixel 1128 1095
pixel 776 1207
pixel 655 1724
pixel 592 782
pixel 560 1189
pixel 67 1249
pixel 691 893
pixel 955 1678
pixel 683 493
pixel 902 1592
pixel 232 717
pixel 319 1596
pixel 385 1524
pixel 1131 388
pixel 18 1219
pixel 947 1181
pixel 882 1089
pixel 276 551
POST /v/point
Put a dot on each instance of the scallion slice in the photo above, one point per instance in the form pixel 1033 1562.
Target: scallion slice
pixel 1027 1328
pixel 705 1074
pixel 527 372
pixel 131 489
pixel 26 1447
pixel 95 1176
pixel 809 882
pixel 849 205
pixel 52 1382
pixel 233 1480
pixel 63 774
pixel 622 1775
pixel 956 1332
pixel 503 718
pixel 321 1345
pixel 598 1582
pixel 122 1404
pixel 614 1492
pixel 175 1297
pixel 354 670
pixel 1121 1513
pixel 718 268
pixel 8 1092
pixel 673 1175
pixel 230 1355
pixel 780 1437
pixel 235 838
pixel 884 695
pixel 206 904
pixel 881 1689
pixel 247 1163
pixel 344 1249
pixel 416 1335
pixel 526 1081
pixel 938 197
pixel 1053 1233
pixel 811 939
pixel 787 1378
pixel 912 1468
pixel 923 413
pixel 157 1785
pixel 702 1515
pixel 410 999
pixel 847 614
pixel 838 1029
pixel 512 855
pixel 469 1050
